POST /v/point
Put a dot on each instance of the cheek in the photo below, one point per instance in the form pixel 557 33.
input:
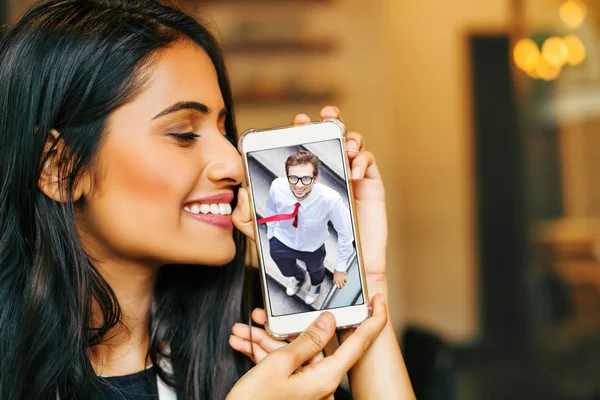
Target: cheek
pixel 147 180
pixel 139 198
pixel 146 173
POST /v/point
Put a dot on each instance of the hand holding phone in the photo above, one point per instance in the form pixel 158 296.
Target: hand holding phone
pixel 383 369
pixel 288 370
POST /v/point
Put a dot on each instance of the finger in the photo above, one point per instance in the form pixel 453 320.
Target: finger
pixel 248 348
pixel 331 112
pixel 307 345
pixel 241 215
pixel 359 342
pixel 301 119
pixel 258 336
pixel 364 165
pixel 354 144
pixel 259 316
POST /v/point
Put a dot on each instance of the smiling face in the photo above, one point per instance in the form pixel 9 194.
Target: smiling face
pixel 300 190
pixel 165 171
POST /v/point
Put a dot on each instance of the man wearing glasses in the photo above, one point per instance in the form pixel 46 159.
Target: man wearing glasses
pixel 299 209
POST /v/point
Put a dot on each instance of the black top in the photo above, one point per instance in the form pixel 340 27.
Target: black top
pixel 139 386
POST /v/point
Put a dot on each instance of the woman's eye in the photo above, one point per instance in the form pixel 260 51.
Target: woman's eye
pixel 185 137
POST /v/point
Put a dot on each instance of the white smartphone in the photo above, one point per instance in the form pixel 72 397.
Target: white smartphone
pixel 304 219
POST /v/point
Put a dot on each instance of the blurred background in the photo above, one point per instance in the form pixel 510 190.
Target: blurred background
pixel 484 117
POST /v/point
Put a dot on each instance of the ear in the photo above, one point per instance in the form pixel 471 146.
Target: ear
pixel 50 183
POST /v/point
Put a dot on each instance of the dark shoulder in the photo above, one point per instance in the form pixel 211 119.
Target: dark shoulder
pixel 138 386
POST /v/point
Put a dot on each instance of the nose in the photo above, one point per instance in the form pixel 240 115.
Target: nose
pixel 225 165
pixel 299 184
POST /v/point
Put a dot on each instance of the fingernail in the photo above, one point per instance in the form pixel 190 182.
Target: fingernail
pixel 356 173
pixel 324 322
pixel 303 117
pixel 381 298
pixel 329 109
pixel 352 146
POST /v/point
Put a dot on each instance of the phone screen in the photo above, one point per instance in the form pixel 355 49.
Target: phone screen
pixel 306 234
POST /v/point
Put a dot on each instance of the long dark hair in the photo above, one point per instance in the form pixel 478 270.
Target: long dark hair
pixel 66 65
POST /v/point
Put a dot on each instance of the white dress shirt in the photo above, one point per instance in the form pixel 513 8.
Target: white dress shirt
pixel 323 204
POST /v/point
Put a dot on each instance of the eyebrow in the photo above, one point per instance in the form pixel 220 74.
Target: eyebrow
pixel 188 105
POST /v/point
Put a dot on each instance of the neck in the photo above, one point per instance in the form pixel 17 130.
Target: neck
pixel 124 349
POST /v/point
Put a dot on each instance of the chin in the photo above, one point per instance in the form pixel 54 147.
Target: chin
pixel 215 255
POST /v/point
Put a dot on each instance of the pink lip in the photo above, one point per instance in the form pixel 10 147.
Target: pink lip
pixel 218 198
pixel 222 221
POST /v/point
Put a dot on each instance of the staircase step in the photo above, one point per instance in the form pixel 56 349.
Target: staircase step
pixel 330 154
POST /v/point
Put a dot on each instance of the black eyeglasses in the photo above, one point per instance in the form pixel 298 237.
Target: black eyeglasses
pixel 306 180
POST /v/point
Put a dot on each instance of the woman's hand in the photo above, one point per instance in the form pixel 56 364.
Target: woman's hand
pixel 295 370
pixel 369 201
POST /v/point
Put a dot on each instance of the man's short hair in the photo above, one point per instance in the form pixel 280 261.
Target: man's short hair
pixel 302 157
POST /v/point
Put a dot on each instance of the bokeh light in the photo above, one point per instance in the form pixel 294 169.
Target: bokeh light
pixel 546 70
pixel 526 53
pixel 576 50
pixel 573 13
pixel 555 51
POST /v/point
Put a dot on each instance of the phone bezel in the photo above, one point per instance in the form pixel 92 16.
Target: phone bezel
pixel 257 140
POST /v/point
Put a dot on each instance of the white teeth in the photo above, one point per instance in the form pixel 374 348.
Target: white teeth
pixel 216 208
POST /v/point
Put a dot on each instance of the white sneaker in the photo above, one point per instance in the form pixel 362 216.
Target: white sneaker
pixel 313 294
pixel 293 286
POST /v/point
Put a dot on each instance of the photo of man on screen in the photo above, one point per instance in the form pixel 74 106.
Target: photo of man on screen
pixel 299 209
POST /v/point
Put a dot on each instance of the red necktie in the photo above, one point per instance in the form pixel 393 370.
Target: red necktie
pixel 283 217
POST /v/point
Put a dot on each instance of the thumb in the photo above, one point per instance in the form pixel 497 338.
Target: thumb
pixel 310 342
pixel 242 216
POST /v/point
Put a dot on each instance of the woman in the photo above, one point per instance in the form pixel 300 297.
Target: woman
pixel 115 115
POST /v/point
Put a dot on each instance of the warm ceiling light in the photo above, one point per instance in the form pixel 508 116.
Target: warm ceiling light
pixel 576 50
pixel 555 51
pixel 573 13
pixel 526 53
